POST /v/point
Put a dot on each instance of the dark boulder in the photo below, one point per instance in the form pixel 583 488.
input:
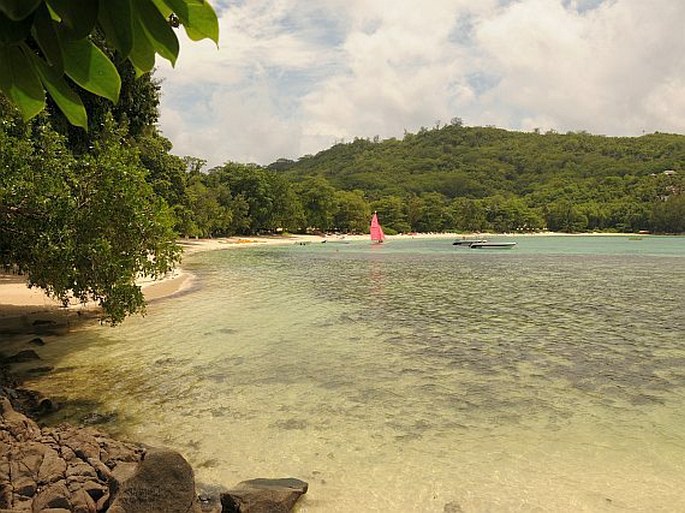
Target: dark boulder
pixel 263 496
pixel 162 482
pixel 27 355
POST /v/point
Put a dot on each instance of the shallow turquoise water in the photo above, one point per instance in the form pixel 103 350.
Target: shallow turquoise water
pixel 413 376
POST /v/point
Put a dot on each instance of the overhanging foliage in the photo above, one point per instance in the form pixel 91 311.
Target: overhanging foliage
pixel 46 45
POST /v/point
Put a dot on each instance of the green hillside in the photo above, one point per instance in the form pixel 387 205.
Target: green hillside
pixel 570 182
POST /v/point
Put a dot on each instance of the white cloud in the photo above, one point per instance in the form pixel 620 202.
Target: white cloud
pixel 292 78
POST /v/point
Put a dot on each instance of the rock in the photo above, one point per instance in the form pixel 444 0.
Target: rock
pixel 34 402
pixel 82 442
pixel 19 427
pixel 81 469
pixel 163 482
pixel 81 502
pixel 94 418
pixel 37 341
pixel 49 327
pixel 263 496
pixel 209 497
pixel 24 485
pixel 27 355
pixel 453 507
pixel 55 495
pixel 52 468
pixel 40 370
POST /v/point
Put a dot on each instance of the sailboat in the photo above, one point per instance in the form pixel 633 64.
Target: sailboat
pixel 377 235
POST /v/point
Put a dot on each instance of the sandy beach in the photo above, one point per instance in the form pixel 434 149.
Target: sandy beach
pixel 17 299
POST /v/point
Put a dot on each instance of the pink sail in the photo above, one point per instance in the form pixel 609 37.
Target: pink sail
pixel 377 234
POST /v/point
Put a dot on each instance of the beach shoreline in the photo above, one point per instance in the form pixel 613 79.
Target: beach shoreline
pixel 18 300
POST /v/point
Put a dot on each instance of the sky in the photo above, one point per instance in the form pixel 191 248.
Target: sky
pixel 294 77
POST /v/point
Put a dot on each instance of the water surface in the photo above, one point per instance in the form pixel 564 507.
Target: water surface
pixel 414 376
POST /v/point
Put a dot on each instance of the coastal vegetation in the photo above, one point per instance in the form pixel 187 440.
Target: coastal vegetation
pixel 91 197
pixel 450 178
pixel 83 209
pixel 85 213
pixel 63 48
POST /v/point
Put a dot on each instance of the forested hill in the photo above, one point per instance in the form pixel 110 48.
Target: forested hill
pixel 477 162
pixel 482 178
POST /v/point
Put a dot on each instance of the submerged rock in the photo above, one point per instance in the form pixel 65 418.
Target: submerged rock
pixel 27 355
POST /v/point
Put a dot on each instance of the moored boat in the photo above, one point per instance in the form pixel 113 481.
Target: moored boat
pixel 468 242
pixel 492 245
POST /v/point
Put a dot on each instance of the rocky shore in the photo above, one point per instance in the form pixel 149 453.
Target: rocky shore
pixel 82 470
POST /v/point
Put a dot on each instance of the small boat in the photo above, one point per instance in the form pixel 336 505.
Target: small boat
pixel 492 245
pixel 468 242
pixel 377 235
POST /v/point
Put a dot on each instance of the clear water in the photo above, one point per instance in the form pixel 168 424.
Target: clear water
pixel 414 376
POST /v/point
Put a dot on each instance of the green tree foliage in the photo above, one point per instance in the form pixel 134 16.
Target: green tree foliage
pixel 564 216
pixel 352 212
pixel 669 216
pixel 239 199
pixel 480 178
pixel 393 214
pixel 318 201
pixel 83 228
pixel 48 45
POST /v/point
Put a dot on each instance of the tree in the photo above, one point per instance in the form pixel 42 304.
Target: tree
pixel 287 214
pixel 165 172
pixel 318 200
pixel 352 212
pixel 668 216
pixel 47 45
pixel 428 213
pixel 393 211
pixel 83 228
pixel 209 212
pixel 564 216
pixel 468 215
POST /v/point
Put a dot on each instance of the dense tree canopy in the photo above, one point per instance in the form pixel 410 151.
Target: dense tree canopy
pixel 54 45
pixel 481 178
pixel 85 214
pixel 463 179
pixel 84 228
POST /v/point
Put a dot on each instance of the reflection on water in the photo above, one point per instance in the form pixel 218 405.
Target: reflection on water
pixel 413 376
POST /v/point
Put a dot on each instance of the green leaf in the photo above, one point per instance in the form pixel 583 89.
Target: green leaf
pixel 158 30
pixel 198 18
pixel 14 31
pixel 66 99
pixel 90 68
pixel 18 9
pixel 78 16
pixel 115 19
pixel 143 53
pixel 19 81
pixel 163 8
pixel 44 31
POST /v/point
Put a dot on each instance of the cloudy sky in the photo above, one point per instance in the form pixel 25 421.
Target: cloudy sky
pixel 293 77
